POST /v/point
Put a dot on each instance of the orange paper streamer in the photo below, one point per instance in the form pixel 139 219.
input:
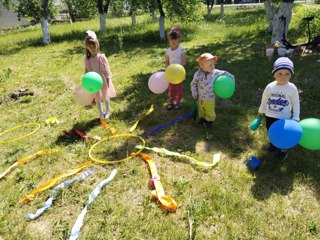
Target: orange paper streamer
pixel 108 127
pixel 50 183
pixel 165 202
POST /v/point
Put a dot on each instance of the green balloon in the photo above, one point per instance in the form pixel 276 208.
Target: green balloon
pixel 224 87
pixel 310 133
pixel 92 82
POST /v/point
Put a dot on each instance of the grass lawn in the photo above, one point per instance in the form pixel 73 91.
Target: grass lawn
pixel 279 201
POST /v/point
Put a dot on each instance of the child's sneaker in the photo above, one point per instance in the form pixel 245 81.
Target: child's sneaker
pixel 200 122
pixel 102 115
pixel 177 106
pixel 207 124
pixel 271 148
pixel 282 154
pixel 170 107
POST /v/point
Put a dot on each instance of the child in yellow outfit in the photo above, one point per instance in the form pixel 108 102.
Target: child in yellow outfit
pixel 202 88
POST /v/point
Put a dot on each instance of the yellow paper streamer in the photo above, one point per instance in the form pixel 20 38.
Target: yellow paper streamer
pixel 216 157
pixel 166 202
pixel 50 183
pixel 116 161
pixel 23 136
pixel 141 117
pixel 27 158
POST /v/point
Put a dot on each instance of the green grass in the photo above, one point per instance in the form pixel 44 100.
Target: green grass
pixel 280 201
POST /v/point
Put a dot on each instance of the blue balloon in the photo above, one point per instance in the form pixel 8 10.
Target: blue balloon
pixel 285 133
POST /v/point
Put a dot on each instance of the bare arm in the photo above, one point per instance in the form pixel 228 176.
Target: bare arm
pixel 184 58
pixel 167 60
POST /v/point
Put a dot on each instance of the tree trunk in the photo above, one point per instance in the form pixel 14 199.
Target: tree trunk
pixel 134 19
pixel 209 11
pixel 103 25
pixel 209 7
pixel 221 9
pixel 161 26
pixel 279 29
pixel 161 20
pixel 45 24
pixel 269 13
pixel 45 31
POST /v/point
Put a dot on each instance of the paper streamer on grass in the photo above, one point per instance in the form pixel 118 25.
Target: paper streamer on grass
pixel 178 119
pixel 28 158
pixel 141 117
pixel 216 157
pixel 79 222
pixel 165 202
pixel 108 127
pixel 48 203
pixel 50 183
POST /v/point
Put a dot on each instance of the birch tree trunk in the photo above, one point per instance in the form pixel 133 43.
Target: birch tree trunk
pixel 269 14
pixel 161 20
pixel 103 25
pixel 133 19
pixel 209 11
pixel 161 26
pixel 279 30
pixel 45 31
pixel 45 24
pixel 222 10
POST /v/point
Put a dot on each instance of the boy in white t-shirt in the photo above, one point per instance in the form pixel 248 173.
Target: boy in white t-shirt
pixel 280 99
pixel 175 54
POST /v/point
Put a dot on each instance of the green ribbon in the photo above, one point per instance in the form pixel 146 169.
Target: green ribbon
pixel 216 157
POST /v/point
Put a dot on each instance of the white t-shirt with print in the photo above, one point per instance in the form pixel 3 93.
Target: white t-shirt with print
pixel 175 56
pixel 280 101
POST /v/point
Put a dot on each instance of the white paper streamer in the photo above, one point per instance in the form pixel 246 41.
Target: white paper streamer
pixel 79 222
pixel 48 203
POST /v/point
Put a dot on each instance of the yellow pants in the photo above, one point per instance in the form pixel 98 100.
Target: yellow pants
pixel 206 109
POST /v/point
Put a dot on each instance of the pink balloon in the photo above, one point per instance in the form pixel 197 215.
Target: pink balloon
pixel 157 83
pixel 83 97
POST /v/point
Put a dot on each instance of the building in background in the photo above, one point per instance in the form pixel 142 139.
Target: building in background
pixel 9 19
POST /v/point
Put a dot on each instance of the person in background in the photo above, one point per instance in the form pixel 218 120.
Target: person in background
pixel 175 54
pixel 95 61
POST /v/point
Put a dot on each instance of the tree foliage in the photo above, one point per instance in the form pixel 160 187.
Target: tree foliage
pixel 183 10
pixel 117 7
pixel 33 10
pixel 81 8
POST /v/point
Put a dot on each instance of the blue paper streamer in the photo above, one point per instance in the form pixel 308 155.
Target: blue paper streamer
pixel 178 119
